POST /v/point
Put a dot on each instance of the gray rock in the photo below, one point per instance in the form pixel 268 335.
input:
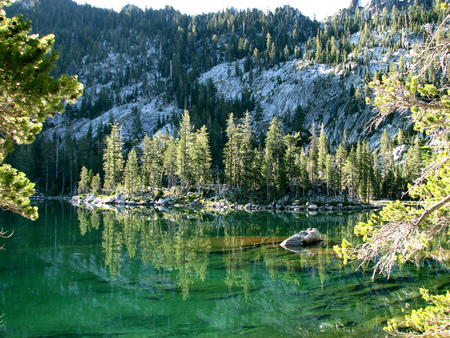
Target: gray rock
pixel 283 200
pixel 90 198
pixel 311 206
pixel 109 200
pixel 305 237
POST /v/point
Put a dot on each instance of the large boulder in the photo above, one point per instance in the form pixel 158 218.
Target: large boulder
pixel 305 237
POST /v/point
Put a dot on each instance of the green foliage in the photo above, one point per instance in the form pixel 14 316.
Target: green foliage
pixel 431 321
pixel 28 95
pixel 401 233
pixel 274 157
pixel 84 183
pixel 113 159
pixel 132 179
pixel 15 190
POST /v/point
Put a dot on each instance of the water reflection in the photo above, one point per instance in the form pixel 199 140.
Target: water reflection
pixel 145 272
pixel 183 241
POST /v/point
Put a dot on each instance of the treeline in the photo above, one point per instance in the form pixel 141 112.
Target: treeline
pixel 281 166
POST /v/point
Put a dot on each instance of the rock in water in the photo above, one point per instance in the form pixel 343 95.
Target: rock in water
pixel 308 236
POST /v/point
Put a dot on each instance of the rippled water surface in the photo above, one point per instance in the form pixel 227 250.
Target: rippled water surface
pixel 152 273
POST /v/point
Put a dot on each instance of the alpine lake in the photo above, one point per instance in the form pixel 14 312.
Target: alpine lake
pixel 147 272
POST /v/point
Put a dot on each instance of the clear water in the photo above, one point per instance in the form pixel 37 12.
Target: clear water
pixel 151 273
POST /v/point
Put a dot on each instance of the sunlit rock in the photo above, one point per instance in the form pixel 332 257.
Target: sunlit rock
pixel 311 206
pixel 305 237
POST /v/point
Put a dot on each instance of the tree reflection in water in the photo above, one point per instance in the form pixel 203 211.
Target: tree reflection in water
pixel 181 241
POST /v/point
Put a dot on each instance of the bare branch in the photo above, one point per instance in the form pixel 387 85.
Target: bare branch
pixel 433 208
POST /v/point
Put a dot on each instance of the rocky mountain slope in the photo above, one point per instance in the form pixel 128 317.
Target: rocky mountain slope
pixel 332 94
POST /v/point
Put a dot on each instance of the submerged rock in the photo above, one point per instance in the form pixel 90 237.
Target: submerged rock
pixel 305 237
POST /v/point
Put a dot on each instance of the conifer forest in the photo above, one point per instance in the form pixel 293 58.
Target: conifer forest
pixel 199 135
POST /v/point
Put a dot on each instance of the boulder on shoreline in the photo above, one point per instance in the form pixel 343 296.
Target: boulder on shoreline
pixel 305 237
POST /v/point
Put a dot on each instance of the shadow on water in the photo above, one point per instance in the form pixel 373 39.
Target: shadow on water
pixel 143 272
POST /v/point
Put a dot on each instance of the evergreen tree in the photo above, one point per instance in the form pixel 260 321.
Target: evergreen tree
pixel 400 137
pixel 28 95
pixel 351 173
pixel 303 170
pixel 330 173
pixel 273 157
pixel 84 184
pixel 313 155
pixel 340 160
pixel 377 179
pixel 231 151
pixel 414 160
pixel 113 159
pixel 323 151
pixel 201 158
pixel 170 160
pixel 246 151
pixel 400 233
pixel 96 184
pixel 184 152
pixel 153 160
pixel 132 179
pixel 290 159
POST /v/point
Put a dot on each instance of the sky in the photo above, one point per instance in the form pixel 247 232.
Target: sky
pixel 319 8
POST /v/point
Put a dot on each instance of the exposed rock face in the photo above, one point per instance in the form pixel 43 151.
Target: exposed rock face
pixel 305 237
pixel 373 4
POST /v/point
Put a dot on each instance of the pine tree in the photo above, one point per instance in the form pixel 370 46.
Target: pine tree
pixel 384 150
pixel 303 170
pixel 351 173
pixel 330 173
pixel 201 158
pixel 313 155
pixel 246 151
pixel 170 160
pixel 113 159
pixel 28 95
pixel 84 183
pixel 290 158
pixel 323 151
pixel 340 160
pixel 377 179
pixel 231 151
pixel 96 184
pixel 132 179
pixel 153 160
pixel 400 233
pixel 273 157
pixel 400 137
pixel 414 160
pixel 184 152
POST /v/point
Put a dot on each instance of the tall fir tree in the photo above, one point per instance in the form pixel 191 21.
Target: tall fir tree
pixel 273 157
pixel 184 152
pixel 231 151
pixel 113 159
pixel 290 159
pixel 132 178
pixel 313 155
pixel 201 159
pixel 323 151
pixel 84 184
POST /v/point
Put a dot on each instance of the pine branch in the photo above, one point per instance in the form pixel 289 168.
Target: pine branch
pixel 433 208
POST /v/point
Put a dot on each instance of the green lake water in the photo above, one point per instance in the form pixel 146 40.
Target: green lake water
pixel 187 273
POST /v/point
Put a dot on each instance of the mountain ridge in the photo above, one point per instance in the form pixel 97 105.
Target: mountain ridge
pixel 144 68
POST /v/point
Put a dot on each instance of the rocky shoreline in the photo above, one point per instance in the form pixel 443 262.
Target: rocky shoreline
pixel 312 204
